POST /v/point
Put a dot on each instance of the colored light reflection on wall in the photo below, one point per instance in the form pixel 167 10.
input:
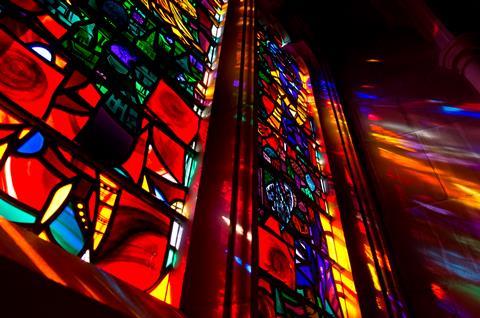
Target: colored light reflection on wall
pixel 425 151
pixel 374 256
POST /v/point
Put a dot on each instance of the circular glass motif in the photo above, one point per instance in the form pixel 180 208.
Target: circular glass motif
pixel 282 200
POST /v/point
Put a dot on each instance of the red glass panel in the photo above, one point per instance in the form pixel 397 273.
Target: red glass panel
pixel 276 258
pixel 26 79
pixel 90 94
pixel 70 125
pixel 18 175
pixel 170 191
pixel 134 164
pixel 138 261
pixel 173 111
pixel 29 5
pixel 171 152
pixel 53 26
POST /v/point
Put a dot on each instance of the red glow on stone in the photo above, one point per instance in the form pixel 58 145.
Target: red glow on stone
pixel 435 29
pixel 438 291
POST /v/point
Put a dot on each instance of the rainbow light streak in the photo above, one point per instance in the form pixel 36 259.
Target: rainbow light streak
pixel 366 96
pixel 451 110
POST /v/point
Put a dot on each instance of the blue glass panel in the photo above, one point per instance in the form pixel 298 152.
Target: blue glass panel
pixel 66 232
pixel 33 144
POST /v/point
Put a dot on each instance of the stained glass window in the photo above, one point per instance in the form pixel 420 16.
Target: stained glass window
pixel 103 107
pixel 304 269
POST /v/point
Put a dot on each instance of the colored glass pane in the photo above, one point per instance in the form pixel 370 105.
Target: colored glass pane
pixel 304 269
pixel 101 104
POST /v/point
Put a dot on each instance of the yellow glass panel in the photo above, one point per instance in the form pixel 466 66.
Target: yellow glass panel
pixel 3 148
pixel 348 283
pixel 60 61
pixel 325 223
pixel 373 273
pixel 108 182
pixel 6 118
pixel 162 291
pixel 341 249
pixel 23 133
pixel 343 306
pixel 58 199
pixel 44 236
pixel 165 5
pixel 276 74
pixel 331 248
pixel 145 184
pixel 353 311
pixel 187 6
pixel 107 197
pixel 101 225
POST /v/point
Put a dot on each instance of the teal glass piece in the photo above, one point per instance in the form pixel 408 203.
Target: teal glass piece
pixel 66 231
pixel 14 214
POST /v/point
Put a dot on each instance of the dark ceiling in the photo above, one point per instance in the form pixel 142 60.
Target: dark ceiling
pixel 336 28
